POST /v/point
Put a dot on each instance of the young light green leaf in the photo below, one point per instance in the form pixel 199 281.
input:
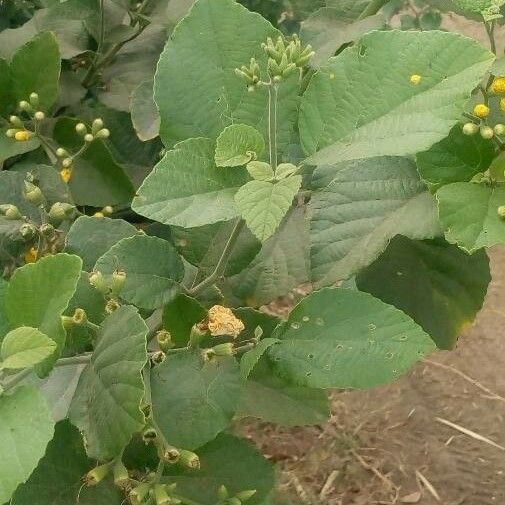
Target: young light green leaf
pixel 35 67
pixel 203 403
pixel 401 118
pixel 251 358
pixel 260 170
pixel 264 204
pixel 469 214
pixel 285 170
pixel 106 405
pixel 456 158
pixel 144 112
pixel 26 428
pixel 340 338
pixel 237 145
pixel 365 204
pixel 179 316
pixel 202 98
pixel 25 347
pixel 152 266
pixel 91 237
pixel 437 284
pixel 187 189
pixel 38 294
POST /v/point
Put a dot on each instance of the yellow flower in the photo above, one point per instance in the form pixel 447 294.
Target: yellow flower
pixel 481 110
pixel 31 255
pixel 222 321
pixel 99 214
pixel 22 135
pixel 415 79
pixel 498 85
pixel 66 174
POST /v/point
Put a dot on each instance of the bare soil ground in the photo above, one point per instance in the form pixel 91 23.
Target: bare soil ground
pixel 391 446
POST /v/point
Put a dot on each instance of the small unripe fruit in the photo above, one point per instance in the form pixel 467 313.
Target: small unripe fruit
pixel 27 231
pixel 34 99
pixel 107 210
pixel 67 162
pixel 39 115
pixel 88 138
pixel 499 129
pixel 120 473
pixel 161 496
pixel 470 129
pixel 10 212
pixel 164 340
pixel 60 211
pixel 96 125
pixel 104 133
pixel 16 121
pixel 486 132
pixel 22 135
pixel 60 152
pixel 97 280
pixel 81 128
pixel 97 474
pixel 24 105
pixel 225 349
pixel 11 132
pixel 501 211
pixel 170 454
pixel 118 280
pixel 139 494
pixel 481 110
pixel 47 230
pixel 190 460
pixel 33 194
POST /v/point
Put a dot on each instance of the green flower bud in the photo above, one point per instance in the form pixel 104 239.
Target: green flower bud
pixel 149 435
pixel 67 162
pixel 16 121
pixel 39 116
pixel 33 194
pixel 88 138
pixel 97 474
pixel 67 322
pixel 104 133
pixel 11 132
pixel 470 129
pixel 118 280
pixel 501 211
pixel 24 105
pixel 97 280
pixel 170 454
pixel 47 230
pixel 164 340
pixel 120 473
pixel 81 129
pixel 222 492
pixel 107 210
pixel 499 129
pixel 246 495
pixel 27 231
pixel 10 212
pixel 111 306
pixel 158 357
pixel 234 501
pixel 189 459
pixel 61 211
pixel 486 132
pixel 96 125
pixel 60 152
pixel 139 494
pixel 225 349
pixel 80 317
pixel 161 496
pixel 34 99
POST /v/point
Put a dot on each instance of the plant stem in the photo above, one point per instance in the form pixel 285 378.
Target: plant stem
pixel 372 8
pixel 82 359
pixel 223 260
pixel 490 33
pixel 93 67
pixel 273 92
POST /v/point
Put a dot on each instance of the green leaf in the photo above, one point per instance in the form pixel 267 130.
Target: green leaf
pixel 252 319
pixel 260 170
pixel 237 145
pixel 366 204
pixel 26 428
pixel 437 284
pixel 203 246
pixel 469 214
pixel 348 113
pixel 145 115
pixel 326 30
pixel 202 98
pixel 264 204
pixel 251 358
pixel 203 403
pixel 272 399
pixel 35 67
pixel 339 338
pixel 229 461
pixel 10 147
pixel 480 6
pixel 456 158
pixel 152 266
pixel 179 316
pixel 25 347
pixel 6 98
pixel 106 405
pixel 38 294
pixel 91 237
pixel 187 189
pixel 281 265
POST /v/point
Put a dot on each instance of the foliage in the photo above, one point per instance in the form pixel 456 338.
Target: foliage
pixel 170 168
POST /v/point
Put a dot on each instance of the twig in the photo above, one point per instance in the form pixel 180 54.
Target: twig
pixel 327 485
pixel 428 485
pixel 468 432
pixel 387 482
pixel 477 384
